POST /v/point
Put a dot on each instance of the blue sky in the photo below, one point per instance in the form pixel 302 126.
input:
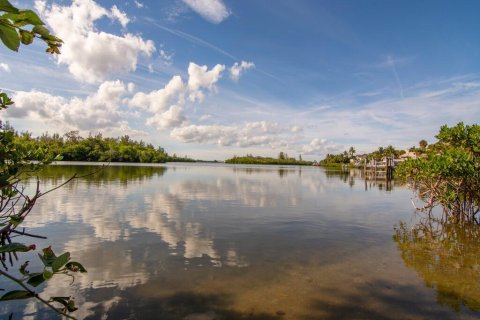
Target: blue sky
pixel 213 79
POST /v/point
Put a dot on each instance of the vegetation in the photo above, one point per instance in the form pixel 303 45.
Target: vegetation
pixel 350 157
pixel 15 169
pixel 73 147
pixel 282 159
pixel 449 174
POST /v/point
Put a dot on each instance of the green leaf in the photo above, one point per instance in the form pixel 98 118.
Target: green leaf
pixel 16 247
pixel 41 30
pixel 23 269
pixel 30 17
pixel 16 295
pixel 75 267
pixel 48 257
pixel 47 275
pixel 60 261
pixel 16 220
pixel 36 279
pixel 67 302
pixel 7 7
pixel 9 37
pixel 26 37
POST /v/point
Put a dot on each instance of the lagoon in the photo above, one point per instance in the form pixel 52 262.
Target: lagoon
pixel 218 241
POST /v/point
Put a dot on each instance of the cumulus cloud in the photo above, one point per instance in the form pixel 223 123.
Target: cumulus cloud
pixel 168 103
pixel 171 118
pixel 214 11
pixel 315 146
pixel 5 67
pixel 238 68
pixel 200 77
pixel 98 111
pixel 242 135
pixel 159 100
pixel 120 16
pixel 93 55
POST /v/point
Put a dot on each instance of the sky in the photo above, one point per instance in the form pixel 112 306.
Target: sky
pixel 211 79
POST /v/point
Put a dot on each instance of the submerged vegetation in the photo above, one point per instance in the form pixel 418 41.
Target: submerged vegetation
pixel 283 159
pixel 73 147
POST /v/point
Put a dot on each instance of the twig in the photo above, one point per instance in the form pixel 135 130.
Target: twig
pixel 23 233
pixel 35 295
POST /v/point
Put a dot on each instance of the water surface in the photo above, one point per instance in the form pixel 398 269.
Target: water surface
pixel 204 241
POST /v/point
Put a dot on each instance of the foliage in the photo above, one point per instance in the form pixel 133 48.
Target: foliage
pixel 73 147
pixel 383 152
pixel 282 159
pixel 334 160
pixel 13 31
pixel 346 157
pixel 21 27
pixel 449 173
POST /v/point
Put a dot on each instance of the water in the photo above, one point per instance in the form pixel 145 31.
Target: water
pixel 204 241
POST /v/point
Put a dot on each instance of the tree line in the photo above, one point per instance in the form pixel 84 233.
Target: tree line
pixel 73 147
pixel 347 157
pixel 283 159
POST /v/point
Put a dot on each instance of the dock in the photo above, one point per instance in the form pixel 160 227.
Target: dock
pixel 374 170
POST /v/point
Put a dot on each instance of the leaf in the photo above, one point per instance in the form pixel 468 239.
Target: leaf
pixel 16 220
pixel 23 269
pixel 30 17
pixel 36 279
pixel 75 267
pixel 9 37
pixel 48 257
pixel 26 37
pixel 16 247
pixel 7 7
pixel 16 295
pixel 47 275
pixel 41 30
pixel 60 261
pixel 67 302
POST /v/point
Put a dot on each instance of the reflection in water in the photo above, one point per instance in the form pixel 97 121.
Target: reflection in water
pixel 447 257
pixel 190 241
pixel 99 174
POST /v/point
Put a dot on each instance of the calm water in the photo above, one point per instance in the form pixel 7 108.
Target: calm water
pixel 190 241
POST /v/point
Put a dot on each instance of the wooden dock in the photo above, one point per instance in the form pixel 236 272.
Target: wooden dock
pixel 379 169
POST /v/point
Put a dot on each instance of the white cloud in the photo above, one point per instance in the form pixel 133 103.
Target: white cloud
pixel 314 147
pixel 167 104
pixel 242 135
pixel 205 117
pixel 214 11
pixel 160 100
pixel 97 112
pixel 199 77
pixel 93 55
pixel 120 16
pixel 5 67
pixel 238 68
pixel 138 4
pixel 167 58
pixel 171 118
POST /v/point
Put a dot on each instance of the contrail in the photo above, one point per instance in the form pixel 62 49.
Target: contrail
pixel 196 40
pixel 391 62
